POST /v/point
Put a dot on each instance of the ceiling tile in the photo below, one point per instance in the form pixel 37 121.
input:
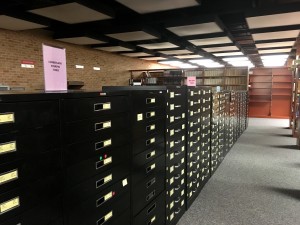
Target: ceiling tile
pixel 153 58
pixel 146 6
pixel 81 40
pixel 275 20
pixel 285 50
pixel 132 36
pixel 276 44
pixel 221 49
pixel 71 13
pixel 188 56
pixel 228 54
pixel 136 54
pixel 114 49
pixel 11 23
pixel 276 35
pixel 211 41
pixel 164 45
pixel 176 52
pixel 204 28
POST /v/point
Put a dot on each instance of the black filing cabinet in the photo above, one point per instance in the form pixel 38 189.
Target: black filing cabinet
pixel 30 159
pixel 96 159
pixel 175 153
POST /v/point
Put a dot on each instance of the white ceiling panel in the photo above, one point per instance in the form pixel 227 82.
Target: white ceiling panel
pixel 153 58
pixel 276 44
pixel 132 36
pixel 188 56
pixel 114 49
pixel 204 28
pixel 136 54
pixel 228 54
pixel 71 13
pixel 176 52
pixel 285 50
pixel 81 40
pixel 221 49
pixel 164 45
pixel 149 6
pixel 275 20
pixel 276 35
pixel 211 41
pixel 11 23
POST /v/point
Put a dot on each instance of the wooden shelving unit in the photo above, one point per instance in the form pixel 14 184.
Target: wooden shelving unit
pixel 270 92
pixel 228 78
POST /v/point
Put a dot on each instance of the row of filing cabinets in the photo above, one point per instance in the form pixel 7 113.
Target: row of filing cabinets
pixel 128 155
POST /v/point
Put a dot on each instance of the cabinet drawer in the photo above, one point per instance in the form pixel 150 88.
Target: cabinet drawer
pixel 87 129
pixel 148 128
pixel 17 145
pixel 147 156
pixel 173 109
pixel 148 99
pixel 149 142
pixel 156 166
pixel 29 169
pixel 176 95
pixel 80 109
pixel 82 168
pixel 114 199
pixel 178 155
pixel 178 118
pixel 24 115
pixel 98 183
pixel 146 191
pixel 16 201
pixel 153 214
pixel 141 119
pixel 175 131
pixel 176 144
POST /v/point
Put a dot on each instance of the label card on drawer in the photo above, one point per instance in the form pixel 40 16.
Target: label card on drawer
pixel 172 216
pixel 125 182
pixel 172 205
pixel 171 192
pixel 192 103
pixel 171 119
pixel 8 147
pixel 182 192
pixel 182 202
pixel 172 107
pixel 107 124
pixel 192 93
pixel 9 205
pixel 172 94
pixel 107 161
pixel 153 219
pixel 183 126
pixel 152 127
pixel 172 132
pixel 139 117
pixel 171 156
pixel 108 178
pixel 171 169
pixel 7 118
pixel 182 181
pixel 183 138
pixel 182 148
pixel 172 180
pixel 107 105
pixel 9 176
pixel 107 143
pixel 108 196
pixel 171 144
pixel 182 160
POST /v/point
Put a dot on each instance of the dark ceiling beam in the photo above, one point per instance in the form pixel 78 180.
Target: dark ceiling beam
pixel 275 29
pixel 275 40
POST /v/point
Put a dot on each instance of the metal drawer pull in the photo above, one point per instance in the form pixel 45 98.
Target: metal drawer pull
pixel 151 195
pixel 177 142
pixel 177 106
pixel 177 165
pixel 151 208
pixel 194 181
pixel 177 176
pixel 102 125
pixel 151 182
pixel 177 200
pixel 177 94
pixel 150 100
pixel 177 118
pixel 102 144
pixel 150 168
pixel 102 106
pixel 194 171
pixel 152 220
pixel 177 188
pixel 177 152
pixel 178 211
pixel 177 131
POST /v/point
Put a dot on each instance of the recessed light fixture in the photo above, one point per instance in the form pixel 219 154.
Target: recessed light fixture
pixel 79 66
pixel 96 68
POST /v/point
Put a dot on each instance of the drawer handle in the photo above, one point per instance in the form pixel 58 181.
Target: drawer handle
pixel 177 131
pixel 102 125
pixel 152 220
pixel 150 128
pixel 177 188
pixel 195 142
pixel 177 94
pixel 177 106
pixel 8 147
pixel 103 181
pixel 150 114
pixel 150 100
pixel 150 168
pixel 177 165
pixel 178 118
pixel 151 195
pixel 178 211
pixel 150 141
pixel 177 153
pixel 151 208
pixel 177 176
pixel 150 154
pixel 103 199
pixel 194 171
pixel 177 142
pixel 177 200
pixel 151 182
pixel 105 218
pixel 194 181
pixel 102 106
pixel 103 163
pixel 102 144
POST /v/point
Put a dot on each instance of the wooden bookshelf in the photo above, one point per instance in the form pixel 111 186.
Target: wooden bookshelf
pixel 228 78
pixel 270 92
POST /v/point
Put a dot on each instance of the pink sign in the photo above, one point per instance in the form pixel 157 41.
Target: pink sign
pixel 191 81
pixel 55 70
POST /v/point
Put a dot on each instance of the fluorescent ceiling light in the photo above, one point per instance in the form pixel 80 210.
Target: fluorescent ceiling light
pixel 235 59
pixel 178 64
pixel 284 56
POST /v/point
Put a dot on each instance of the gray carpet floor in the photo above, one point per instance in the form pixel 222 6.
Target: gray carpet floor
pixel 258 182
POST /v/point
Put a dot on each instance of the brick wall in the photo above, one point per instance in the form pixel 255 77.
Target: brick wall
pixel 27 45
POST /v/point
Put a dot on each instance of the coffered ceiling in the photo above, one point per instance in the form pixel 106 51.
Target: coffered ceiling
pixel 182 30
